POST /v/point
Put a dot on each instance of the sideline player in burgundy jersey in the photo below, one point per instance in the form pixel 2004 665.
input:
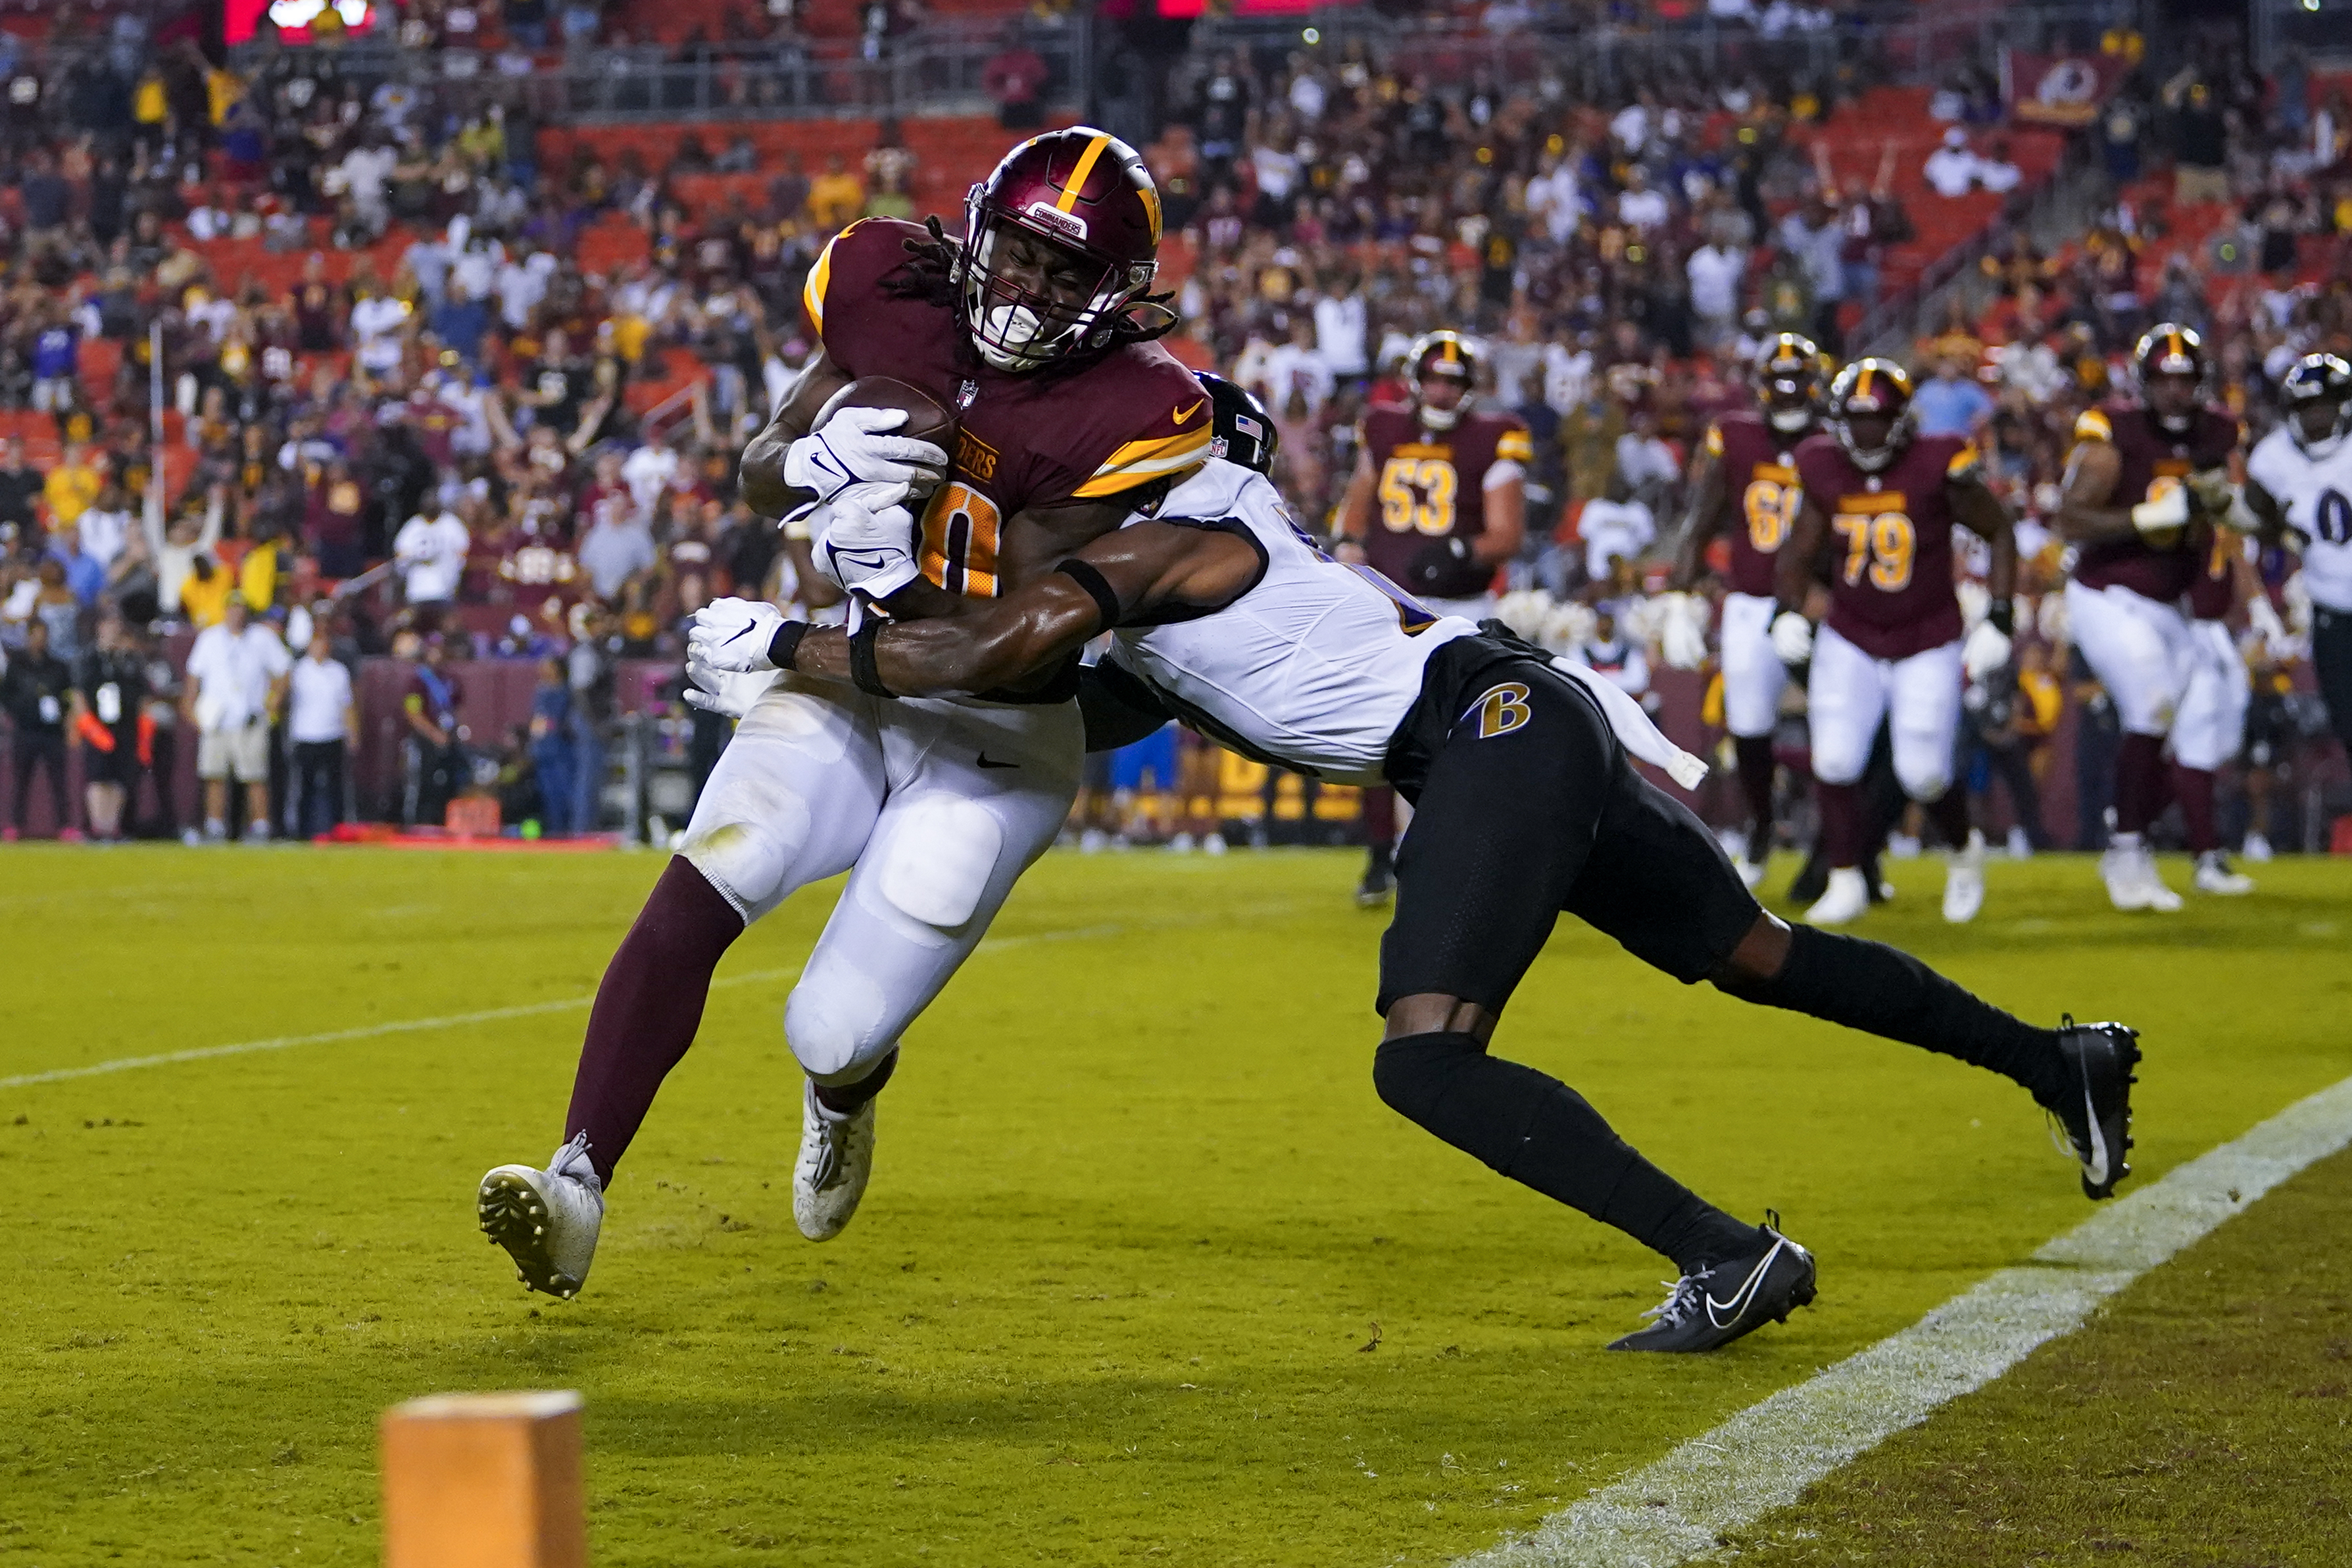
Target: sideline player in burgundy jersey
pixel 1437 504
pixel 1029 325
pixel 1881 500
pixel 1745 487
pixel 2138 476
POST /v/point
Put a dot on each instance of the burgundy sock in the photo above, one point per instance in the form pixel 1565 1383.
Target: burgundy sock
pixel 1950 816
pixel 647 1009
pixel 2193 787
pixel 1755 756
pixel 1841 835
pixel 1380 818
pixel 2139 782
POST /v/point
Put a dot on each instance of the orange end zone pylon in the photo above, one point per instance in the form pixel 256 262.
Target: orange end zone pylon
pixel 484 1480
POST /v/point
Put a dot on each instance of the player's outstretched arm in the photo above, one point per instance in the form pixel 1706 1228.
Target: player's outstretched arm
pixel 1702 522
pixel 762 479
pixel 983 643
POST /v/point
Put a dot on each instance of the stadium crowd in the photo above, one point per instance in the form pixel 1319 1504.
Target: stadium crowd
pixel 447 436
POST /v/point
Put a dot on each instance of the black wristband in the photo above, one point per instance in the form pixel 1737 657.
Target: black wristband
pixel 1097 589
pixel 863 668
pixel 786 644
pixel 2002 615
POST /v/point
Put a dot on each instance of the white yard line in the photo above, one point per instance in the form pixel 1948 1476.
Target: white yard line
pixel 485 1015
pixel 1763 1458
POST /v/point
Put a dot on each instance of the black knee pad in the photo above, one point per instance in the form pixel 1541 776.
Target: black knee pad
pixel 1413 1072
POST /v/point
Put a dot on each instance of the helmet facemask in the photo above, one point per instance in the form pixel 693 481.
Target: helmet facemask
pixel 1876 456
pixel 2322 447
pixel 1434 418
pixel 1018 326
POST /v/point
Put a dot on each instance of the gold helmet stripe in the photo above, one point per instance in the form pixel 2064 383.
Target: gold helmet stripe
pixel 1078 175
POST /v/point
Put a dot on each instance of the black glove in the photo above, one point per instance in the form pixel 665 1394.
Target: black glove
pixel 2002 615
pixel 1446 569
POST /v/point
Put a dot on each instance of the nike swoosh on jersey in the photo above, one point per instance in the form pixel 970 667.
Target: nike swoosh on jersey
pixel 1182 414
pixel 985 762
pixel 1723 1314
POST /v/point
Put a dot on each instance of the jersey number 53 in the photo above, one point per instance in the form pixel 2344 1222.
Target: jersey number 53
pixel 1417 494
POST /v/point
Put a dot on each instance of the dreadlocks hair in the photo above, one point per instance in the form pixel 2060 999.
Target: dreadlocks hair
pixel 929 274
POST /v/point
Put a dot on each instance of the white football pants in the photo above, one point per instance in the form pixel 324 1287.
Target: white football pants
pixel 1753 674
pixel 1850 692
pixel 2139 649
pixel 2212 724
pixel 934 805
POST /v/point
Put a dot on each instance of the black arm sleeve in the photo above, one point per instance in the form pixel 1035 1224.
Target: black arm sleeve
pixel 1119 710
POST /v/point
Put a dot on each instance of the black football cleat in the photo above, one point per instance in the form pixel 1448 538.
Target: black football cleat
pixel 1378 886
pixel 1736 1297
pixel 2097 1113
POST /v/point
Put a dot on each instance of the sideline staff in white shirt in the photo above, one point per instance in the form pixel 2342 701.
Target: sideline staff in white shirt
pixel 324 726
pixel 236 678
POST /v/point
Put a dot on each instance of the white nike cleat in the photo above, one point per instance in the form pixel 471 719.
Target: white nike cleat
pixel 547 1220
pixel 1848 898
pixel 2160 899
pixel 835 1161
pixel 2215 874
pixel 2128 886
pixel 1964 881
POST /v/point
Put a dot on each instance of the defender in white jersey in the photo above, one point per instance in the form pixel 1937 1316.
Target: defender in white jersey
pixel 2299 484
pixel 1225 614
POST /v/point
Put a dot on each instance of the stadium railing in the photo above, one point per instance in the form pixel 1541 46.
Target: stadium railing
pixel 936 70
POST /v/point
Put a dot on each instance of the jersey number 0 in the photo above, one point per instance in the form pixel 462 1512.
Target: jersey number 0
pixel 961 529
pixel 1417 493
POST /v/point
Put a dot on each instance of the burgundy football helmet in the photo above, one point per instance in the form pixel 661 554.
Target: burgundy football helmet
pixel 1873 390
pixel 1790 373
pixel 1443 355
pixel 1059 241
pixel 2168 368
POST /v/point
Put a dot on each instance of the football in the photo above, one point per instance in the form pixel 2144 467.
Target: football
pixel 928 419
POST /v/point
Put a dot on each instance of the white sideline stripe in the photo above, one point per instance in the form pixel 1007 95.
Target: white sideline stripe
pixel 1763 1458
pixel 457 1020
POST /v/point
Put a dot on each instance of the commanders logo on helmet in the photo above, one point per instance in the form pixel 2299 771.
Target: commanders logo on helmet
pixel 2317 397
pixel 1872 389
pixel 1448 355
pixel 1086 192
pixel 1244 432
pixel 1790 373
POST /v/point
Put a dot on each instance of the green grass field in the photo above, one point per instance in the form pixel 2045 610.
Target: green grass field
pixel 1146 1272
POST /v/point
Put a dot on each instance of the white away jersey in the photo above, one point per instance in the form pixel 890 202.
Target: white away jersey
pixel 2317 496
pixel 1314 668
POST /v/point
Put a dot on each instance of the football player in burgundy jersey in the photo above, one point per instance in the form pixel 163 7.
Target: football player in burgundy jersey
pixel 1744 487
pixel 1880 499
pixel 1035 326
pixel 2139 475
pixel 1437 503
pixel 1223 613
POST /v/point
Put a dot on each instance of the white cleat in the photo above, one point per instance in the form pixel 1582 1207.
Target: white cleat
pixel 2021 847
pixel 1901 846
pixel 1215 844
pixel 837 1158
pixel 547 1220
pixel 2160 899
pixel 1752 872
pixel 2258 848
pixel 1964 881
pixel 1847 899
pixel 2131 882
pixel 2215 874
pixel 1181 844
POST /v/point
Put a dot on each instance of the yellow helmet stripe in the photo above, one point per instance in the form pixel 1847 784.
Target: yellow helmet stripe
pixel 1862 383
pixel 1078 175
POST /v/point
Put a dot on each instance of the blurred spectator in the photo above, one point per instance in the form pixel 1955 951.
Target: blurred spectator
pixel 322 726
pixel 835 197
pixel 1614 526
pixel 1949 403
pixel 109 727
pixel 237 680
pixel 431 554
pixel 555 749
pixel 20 487
pixel 1015 79
pixel 2201 148
pixel 36 688
pixel 434 760
pixel 73 485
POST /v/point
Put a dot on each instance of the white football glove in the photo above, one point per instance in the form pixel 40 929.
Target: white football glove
pixel 2212 489
pixel 868 543
pixel 2263 616
pixel 852 450
pixel 1682 630
pixel 733 635
pixel 1986 650
pixel 1793 637
pixel 2162 513
pixel 725 692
